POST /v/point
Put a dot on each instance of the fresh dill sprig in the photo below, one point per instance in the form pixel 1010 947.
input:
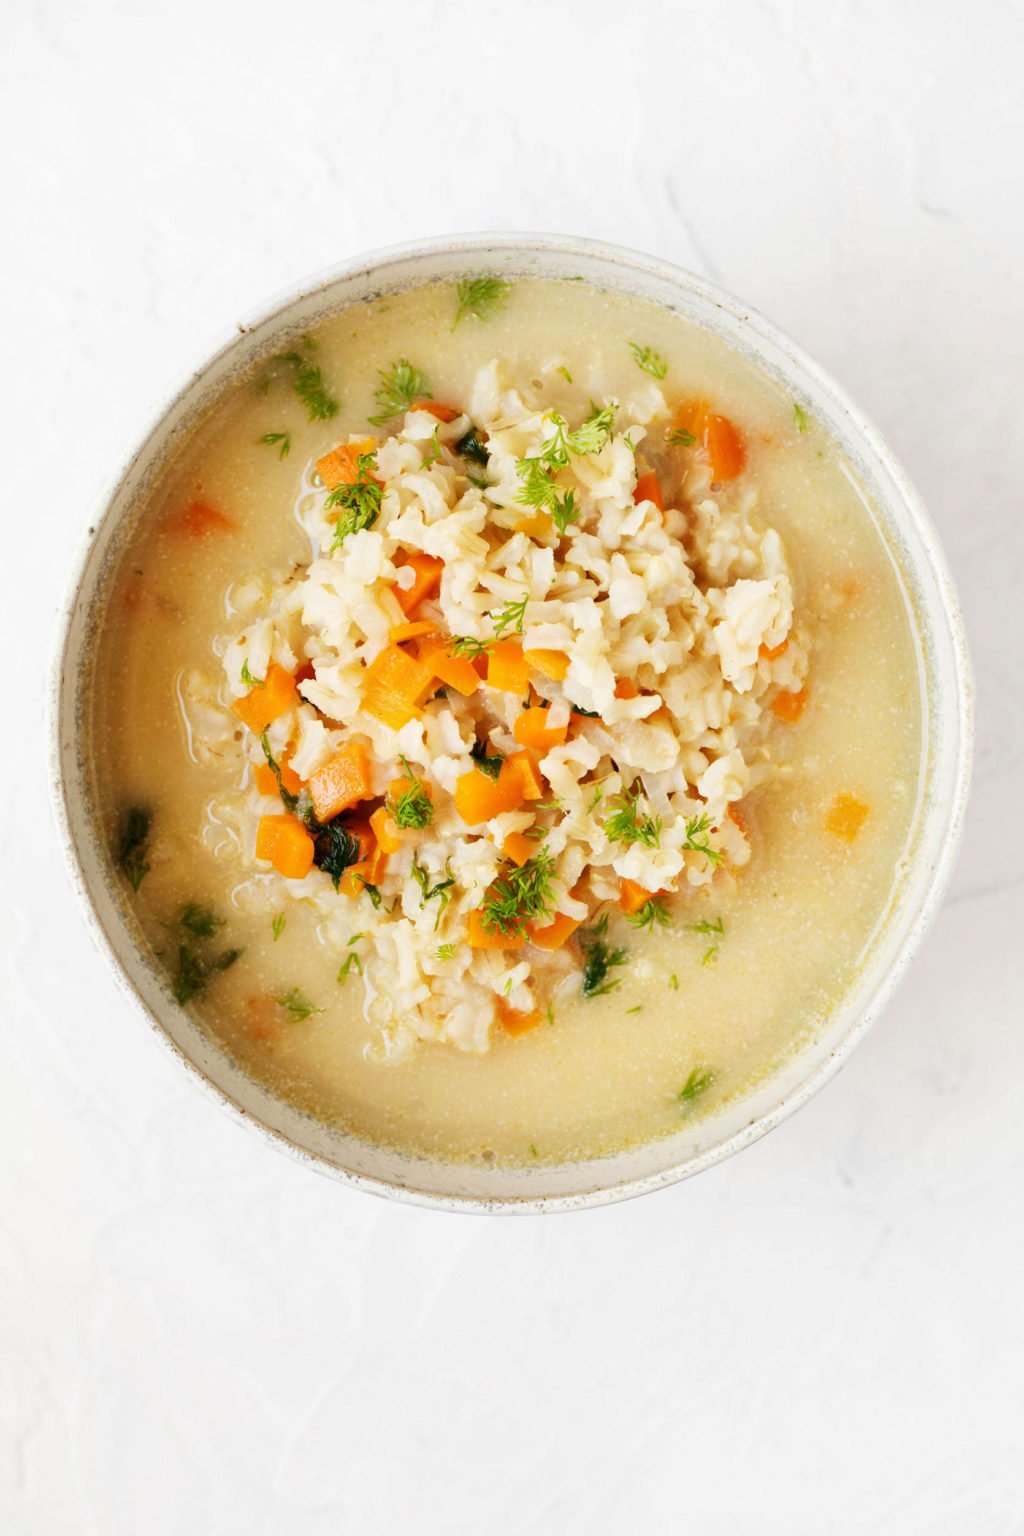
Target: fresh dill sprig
pixel 200 921
pixel 696 838
pixel 681 437
pixel 360 500
pixel 698 1082
pixel 512 616
pixel 297 1005
pixel 442 890
pixel 469 645
pixel 801 417
pixel 308 384
pixel 652 914
pixel 247 677
pixel 132 845
pixel 520 896
pixel 566 375
pixel 598 959
pixel 433 453
pixel 413 807
pixel 194 971
pixel 591 435
pixel 480 297
pixel 400 385
pixel 352 962
pixel 706 926
pixel 565 511
pixel 488 762
pixel 284 439
pixel 650 361
pixel 637 1009
pixel 537 472
pixel 628 824
pixel 289 800
pixel 277 925
pixel 444 952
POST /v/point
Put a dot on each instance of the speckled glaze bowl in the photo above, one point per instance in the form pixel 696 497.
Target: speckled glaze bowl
pixel 946 739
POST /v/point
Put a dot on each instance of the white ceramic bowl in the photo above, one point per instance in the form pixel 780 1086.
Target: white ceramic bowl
pixel 945 767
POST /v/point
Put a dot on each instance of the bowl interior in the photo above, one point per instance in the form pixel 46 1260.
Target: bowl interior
pixel 944 685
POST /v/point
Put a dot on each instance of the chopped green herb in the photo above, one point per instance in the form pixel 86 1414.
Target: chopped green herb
pixel 489 763
pixel 360 500
pixel 673 982
pixel 706 926
pixel 372 892
pixel 565 511
pixel 277 925
pixel 282 438
pixel 637 1009
pixel 297 1005
pixel 289 800
pixel 653 913
pixel 696 838
pixel 335 849
pixel 520 896
pixel 351 962
pixel 468 645
pixel 698 1082
pixel 440 890
pixel 650 361
pixel 628 824
pixel 478 480
pixel 596 799
pixel 194 971
pixel 550 1013
pixel 308 384
pixel 591 435
pixel 681 437
pixel 473 447
pixel 566 375
pixel 533 1150
pixel 433 453
pixel 399 387
pixel 480 297
pixel 247 677
pixel 200 921
pixel 800 417
pixel 589 714
pixel 512 616
pixel 598 959
pixel 537 472
pixel 132 845
pixel 413 807
pixel 710 955
pixel 445 952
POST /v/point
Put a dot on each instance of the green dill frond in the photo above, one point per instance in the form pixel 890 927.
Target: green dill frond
pixel 565 511
pixel 480 297
pixel 277 925
pixel 801 417
pixel 289 800
pixel 707 926
pixel 308 384
pixel 400 385
pixel 591 435
pixel 599 958
pixel 442 889
pixel 652 914
pixel 351 963
pixel 433 453
pixel 413 807
pixel 698 1082
pixel 297 1005
pixel 444 952
pixel 359 500
pixel 520 896
pixel 681 438
pixel 566 375
pixel 650 361
pixel 469 645
pixel 512 616
pixel 488 762
pixel 194 971
pixel 132 844
pixel 696 838
pixel 247 677
pixel 200 921
pixel 628 824
pixel 283 439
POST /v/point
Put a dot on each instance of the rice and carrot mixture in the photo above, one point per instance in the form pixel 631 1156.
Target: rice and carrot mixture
pixel 528 674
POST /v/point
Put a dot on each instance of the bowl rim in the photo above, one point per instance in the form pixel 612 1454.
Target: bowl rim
pixel 861 426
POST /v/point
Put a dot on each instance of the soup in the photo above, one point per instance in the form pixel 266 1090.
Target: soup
pixel 506 722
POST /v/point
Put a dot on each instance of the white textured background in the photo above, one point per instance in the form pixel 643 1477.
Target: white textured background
pixel 823 1336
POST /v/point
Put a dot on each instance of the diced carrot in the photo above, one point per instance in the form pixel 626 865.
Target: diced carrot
pixel 340 466
pixel 554 934
pixel 395 686
pixel 426 579
pixel 456 672
pixel 633 896
pixel 507 667
pixel 789 706
pixel 773 652
pixel 385 830
pixel 846 816
pixel 553 664
pixel 266 779
pixel 478 797
pixel 525 764
pixel 198 520
pixel 415 631
pixel 726 453
pixel 262 705
pixel 342 781
pixel 513 1021
pixel 518 847
pixel 648 488
pixel 736 815
pixel 286 843
pixel 531 729
pixel 442 412
pixel 485 938
pixel 625 688
pixel 716 435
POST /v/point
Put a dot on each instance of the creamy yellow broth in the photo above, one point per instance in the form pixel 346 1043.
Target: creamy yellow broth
pixel 607 1071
